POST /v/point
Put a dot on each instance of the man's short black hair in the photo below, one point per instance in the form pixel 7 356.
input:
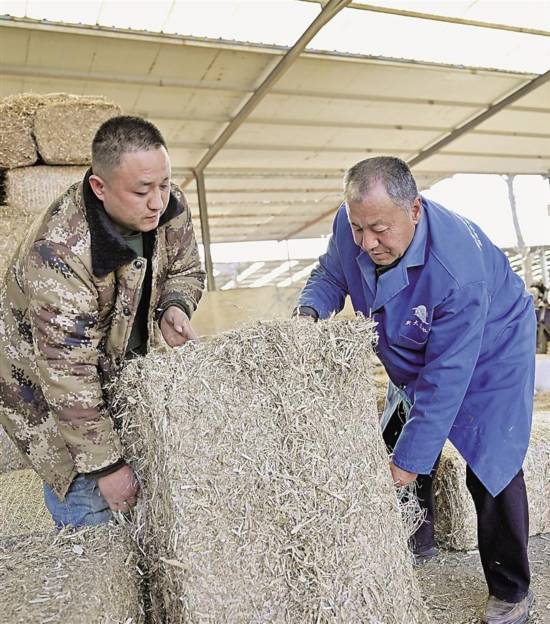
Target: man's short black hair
pixel 120 135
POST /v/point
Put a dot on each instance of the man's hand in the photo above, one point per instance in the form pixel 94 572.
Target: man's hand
pixel 176 327
pixel 401 477
pixel 119 489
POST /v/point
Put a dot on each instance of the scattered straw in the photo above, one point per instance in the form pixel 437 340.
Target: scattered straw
pixel 82 577
pixel 22 508
pixel 266 489
pixel 456 521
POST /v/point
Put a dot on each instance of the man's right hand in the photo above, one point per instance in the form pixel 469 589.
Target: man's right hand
pixel 119 489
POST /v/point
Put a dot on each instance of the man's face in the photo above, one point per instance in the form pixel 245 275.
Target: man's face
pixel 136 192
pixel 382 228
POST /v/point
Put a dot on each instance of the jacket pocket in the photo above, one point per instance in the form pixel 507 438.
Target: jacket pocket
pixel 416 342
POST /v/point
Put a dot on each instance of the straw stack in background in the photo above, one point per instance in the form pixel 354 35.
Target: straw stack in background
pixel 456 523
pixel 33 189
pixel 55 128
pixel 86 577
pixel 266 489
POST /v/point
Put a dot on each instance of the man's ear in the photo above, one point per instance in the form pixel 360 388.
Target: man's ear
pixel 98 186
pixel 416 210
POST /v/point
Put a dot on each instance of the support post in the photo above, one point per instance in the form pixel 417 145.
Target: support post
pixel 205 228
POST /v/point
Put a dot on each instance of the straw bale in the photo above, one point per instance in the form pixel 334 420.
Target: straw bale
pixel 266 490
pixel 456 523
pixel 10 457
pixel 88 576
pixel 64 130
pixel 17 114
pixel 17 147
pixel 57 126
pixel 33 189
pixel 22 508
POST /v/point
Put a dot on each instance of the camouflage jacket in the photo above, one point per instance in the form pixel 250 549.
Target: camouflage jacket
pixel 67 305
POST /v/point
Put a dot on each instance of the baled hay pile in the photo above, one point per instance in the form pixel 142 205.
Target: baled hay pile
pixel 17 146
pixel 64 130
pixel 22 508
pixel 10 457
pixel 78 577
pixel 33 189
pixel 267 495
pixel 57 126
pixel 456 523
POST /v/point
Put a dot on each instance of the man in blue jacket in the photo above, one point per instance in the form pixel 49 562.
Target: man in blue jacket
pixel 456 335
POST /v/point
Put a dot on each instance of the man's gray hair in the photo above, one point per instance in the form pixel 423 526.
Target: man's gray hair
pixel 120 135
pixel 392 172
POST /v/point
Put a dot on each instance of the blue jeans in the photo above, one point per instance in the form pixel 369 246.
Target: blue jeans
pixel 83 504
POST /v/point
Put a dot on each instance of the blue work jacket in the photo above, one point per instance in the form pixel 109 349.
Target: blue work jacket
pixel 456 333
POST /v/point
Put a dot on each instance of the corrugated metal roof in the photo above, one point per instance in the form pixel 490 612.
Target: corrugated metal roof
pixel 282 168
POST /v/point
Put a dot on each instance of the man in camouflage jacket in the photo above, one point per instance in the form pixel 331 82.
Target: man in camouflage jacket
pixel 73 296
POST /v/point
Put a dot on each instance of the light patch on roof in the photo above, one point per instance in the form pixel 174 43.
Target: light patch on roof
pixel 352 31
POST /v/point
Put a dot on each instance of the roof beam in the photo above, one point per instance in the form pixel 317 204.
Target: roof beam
pixel 448 19
pixel 22 71
pixel 489 112
pixel 329 10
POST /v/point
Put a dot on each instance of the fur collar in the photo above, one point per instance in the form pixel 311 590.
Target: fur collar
pixel 109 249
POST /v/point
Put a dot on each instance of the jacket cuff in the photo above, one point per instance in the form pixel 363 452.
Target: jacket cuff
pixel 305 311
pixel 103 472
pixel 161 309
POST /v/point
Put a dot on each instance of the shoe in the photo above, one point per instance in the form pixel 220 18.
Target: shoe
pixel 502 612
pixel 422 554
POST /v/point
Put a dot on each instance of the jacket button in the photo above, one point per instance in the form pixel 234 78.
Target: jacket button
pixel 138 264
pixel 126 311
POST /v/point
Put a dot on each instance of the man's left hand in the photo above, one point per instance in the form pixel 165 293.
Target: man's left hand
pixel 176 327
pixel 401 477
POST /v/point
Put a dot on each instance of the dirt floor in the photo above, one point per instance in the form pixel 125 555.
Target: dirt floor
pixel 455 589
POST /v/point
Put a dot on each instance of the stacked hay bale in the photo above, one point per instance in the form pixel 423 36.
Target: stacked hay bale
pixel 86 577
pixel 456 523
pixel 56 129
pixel 266 489
pixel 22 508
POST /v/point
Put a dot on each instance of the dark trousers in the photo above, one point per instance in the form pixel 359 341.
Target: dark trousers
pixel 502 525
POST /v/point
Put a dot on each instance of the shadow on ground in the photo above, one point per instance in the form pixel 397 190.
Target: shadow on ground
pixel 455 590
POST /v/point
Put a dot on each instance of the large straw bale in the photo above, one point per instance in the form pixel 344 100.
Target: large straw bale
pixel 17 146
pixel 57 126
pixel 22 508
pixel 33 189
pixel 456 520
pixel 64 130
pixel 10 457
pixel 266 490
pixel 78 577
